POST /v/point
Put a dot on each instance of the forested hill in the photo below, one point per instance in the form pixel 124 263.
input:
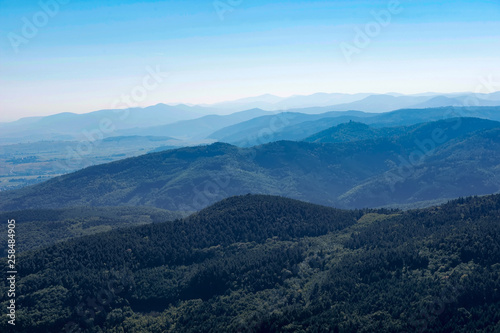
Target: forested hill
pixel 297 127
pixel 268 264
pixel 42 227
pixel 405 168
pixel 354 131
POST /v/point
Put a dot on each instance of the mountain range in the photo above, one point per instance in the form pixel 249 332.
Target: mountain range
pixel 428 161
pixel 362 101
pixel 316 219
pixel 199 128
pixel 71 126
pixel 170 120
pixel 28 161
pixel 299 126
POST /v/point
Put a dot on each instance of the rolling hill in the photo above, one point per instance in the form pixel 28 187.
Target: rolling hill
pixel 297 127
pixel 457 168
pixel 43 227
pixel 443 159
pixel 199 128
pixel 381 103
pixel 268 264
pixel 282 126
pixel 352 131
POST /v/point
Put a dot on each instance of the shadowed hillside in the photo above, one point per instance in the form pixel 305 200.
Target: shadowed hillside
pixel 269 264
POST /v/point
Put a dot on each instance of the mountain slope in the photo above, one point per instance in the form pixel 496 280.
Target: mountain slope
pixel 70 126
pixel 460 167
pixel 442 101
pixel 352 131
pixel 280 127
pixel 269 264
pixel 381 103
pixel 297 127
pixel 199 128
pixel 37 228
pixel 191 178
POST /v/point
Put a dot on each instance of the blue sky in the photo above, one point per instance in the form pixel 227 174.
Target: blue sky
pixel 90 53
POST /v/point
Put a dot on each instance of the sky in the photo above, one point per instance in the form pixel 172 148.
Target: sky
pixel 86 55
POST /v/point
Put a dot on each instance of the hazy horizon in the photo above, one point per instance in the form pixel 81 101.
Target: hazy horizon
pixel 221 112
pixel 78 56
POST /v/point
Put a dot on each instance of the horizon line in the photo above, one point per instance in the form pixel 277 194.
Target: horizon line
pixel 208 105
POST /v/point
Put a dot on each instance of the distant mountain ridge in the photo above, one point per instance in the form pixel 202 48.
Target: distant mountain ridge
pixel 199 128
pixel 352 131
pixel 70 126
pixel 138 121
pixel 274 103
pixel 370 172
pixel 297 126
pixel 363 101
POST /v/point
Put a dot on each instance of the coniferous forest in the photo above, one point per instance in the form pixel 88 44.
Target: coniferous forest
pixel 256 263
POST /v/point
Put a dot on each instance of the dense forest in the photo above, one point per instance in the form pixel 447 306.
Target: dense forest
pixel 258 263
pixel 43 227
